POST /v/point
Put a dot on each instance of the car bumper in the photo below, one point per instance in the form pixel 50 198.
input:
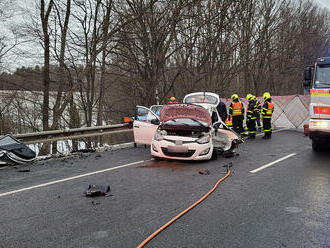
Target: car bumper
pixel 192 151
pixel 319 127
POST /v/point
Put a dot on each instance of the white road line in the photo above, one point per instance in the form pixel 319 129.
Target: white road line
pixel 71 178
pixel 272 163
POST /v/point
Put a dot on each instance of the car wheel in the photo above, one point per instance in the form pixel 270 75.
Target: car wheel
pixel 214 155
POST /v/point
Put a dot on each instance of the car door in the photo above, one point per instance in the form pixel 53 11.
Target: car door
pixel 145 125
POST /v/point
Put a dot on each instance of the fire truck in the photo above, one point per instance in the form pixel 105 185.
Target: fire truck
pixel 317 79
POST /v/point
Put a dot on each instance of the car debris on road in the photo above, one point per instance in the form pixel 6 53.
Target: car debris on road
pixel 94 190
pixel 12 151
pixel 204 172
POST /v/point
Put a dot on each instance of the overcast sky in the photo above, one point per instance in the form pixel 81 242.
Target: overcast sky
pixel 325 3
pixel 29 4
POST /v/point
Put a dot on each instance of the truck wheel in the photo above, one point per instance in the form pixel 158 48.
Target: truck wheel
pixel 316 145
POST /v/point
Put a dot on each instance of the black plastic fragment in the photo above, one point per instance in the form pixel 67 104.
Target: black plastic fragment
pixel 204 172
pixel 97 190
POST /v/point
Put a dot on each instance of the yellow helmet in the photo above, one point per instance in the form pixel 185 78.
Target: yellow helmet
pixel 248 96
pixel 266 96
pixel 234 96
pixel 172 98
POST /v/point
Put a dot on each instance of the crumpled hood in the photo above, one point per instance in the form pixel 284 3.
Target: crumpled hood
pixel 184 111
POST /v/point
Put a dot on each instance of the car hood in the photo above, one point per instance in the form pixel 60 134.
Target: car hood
pixel 185 111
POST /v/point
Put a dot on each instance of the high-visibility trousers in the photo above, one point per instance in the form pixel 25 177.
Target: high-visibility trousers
pixel 267 126
pixel 251 125
pixel 238 124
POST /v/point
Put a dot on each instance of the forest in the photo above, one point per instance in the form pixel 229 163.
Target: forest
pixel 95 60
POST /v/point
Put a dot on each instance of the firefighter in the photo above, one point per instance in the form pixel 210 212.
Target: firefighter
pixel 172 100
pixel 267 112
pixel 258 112
pixel 236 110
pixel 251 116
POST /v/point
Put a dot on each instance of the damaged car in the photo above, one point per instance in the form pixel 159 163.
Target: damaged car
pixel 185 131
pixel 12 151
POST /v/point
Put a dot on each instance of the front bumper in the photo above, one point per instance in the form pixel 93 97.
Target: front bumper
pixel 193 150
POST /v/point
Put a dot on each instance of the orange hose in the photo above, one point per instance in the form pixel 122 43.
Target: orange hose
pixel 183 212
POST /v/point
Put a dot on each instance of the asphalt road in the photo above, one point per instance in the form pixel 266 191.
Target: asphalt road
pixel 284 205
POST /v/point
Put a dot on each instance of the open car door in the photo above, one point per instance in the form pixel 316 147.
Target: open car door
pixel 145 125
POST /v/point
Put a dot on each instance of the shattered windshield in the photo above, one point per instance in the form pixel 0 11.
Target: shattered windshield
pixel 322 76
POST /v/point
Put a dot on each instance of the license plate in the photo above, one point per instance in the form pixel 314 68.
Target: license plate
pixel 177 149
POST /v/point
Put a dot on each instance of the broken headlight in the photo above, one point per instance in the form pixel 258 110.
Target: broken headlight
pixel 158 136
pixel 204 140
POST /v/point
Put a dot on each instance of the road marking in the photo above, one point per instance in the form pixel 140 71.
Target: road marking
pixel 71 178
pixel 272 163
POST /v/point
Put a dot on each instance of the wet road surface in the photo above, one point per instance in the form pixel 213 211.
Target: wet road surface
pixel 284 205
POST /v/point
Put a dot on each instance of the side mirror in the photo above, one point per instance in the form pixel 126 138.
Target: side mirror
pixel 155 121
pixel 307 76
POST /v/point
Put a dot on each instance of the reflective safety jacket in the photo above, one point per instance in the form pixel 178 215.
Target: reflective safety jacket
pixel 268 109
pixel 229 121
pixel 258 106
pixel 251 113
pixel 236 108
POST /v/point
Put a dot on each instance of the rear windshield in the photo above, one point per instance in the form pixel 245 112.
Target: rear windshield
pixel 201 99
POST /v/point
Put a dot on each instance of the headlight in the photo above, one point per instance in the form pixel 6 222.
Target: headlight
pixel 204 140
pixel 158 136
pixel 321 124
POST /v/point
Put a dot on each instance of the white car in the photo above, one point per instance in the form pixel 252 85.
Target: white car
pixel 189 131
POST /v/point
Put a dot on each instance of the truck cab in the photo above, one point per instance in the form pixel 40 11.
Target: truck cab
pixel 317 78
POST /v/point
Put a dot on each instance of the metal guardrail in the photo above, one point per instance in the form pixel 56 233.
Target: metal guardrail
pixel 76 133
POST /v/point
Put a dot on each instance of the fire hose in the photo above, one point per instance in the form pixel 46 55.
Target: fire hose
pixel 159 230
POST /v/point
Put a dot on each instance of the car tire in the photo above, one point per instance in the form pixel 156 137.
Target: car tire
pixel 214 155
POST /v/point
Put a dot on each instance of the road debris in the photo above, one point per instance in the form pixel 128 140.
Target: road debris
pixel 204 172
pixel 24 170
pixel 97 190
pixel 12 151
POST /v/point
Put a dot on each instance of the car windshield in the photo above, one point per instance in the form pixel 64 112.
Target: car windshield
pixel 186 122
pixel 201 99
pixel 322 76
